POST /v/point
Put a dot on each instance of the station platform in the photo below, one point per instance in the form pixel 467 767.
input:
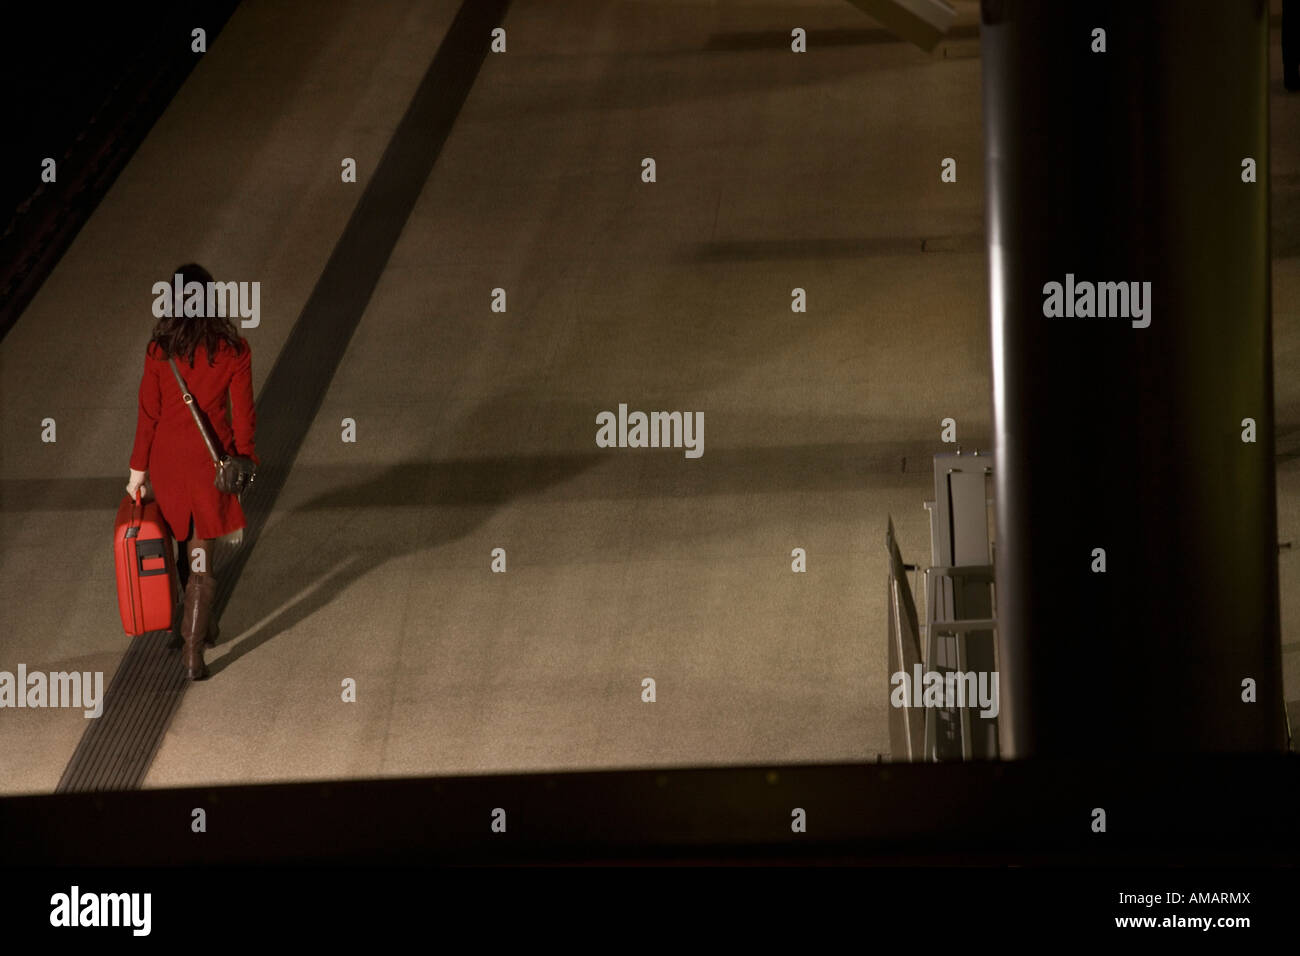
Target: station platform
pixel 475 429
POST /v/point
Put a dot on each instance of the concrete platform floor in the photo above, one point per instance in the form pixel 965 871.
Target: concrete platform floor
pixel 476 429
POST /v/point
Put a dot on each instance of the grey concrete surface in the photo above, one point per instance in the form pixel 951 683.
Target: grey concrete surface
pixel 476 429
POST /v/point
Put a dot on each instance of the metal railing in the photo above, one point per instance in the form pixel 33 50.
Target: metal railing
pixel 918 732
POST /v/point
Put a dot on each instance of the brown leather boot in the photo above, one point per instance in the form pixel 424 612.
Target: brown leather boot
pixel 183 574
pixel 178 639
pixel 178 616
pixel 195 622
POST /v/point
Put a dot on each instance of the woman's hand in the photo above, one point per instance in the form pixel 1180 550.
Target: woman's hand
pixel 136 481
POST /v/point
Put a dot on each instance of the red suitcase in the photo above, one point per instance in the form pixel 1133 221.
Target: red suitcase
pixel 147 584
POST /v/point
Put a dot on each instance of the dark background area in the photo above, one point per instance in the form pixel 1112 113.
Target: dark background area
pixel 83 85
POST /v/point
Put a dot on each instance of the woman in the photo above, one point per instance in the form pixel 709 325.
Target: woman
pixel 169 452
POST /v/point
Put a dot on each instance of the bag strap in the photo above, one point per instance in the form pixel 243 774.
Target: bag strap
pixel 189 402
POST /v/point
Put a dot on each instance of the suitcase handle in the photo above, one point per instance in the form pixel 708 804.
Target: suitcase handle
pixel 137 514
pixel 145 547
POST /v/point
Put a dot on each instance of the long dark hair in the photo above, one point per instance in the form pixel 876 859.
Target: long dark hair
pixel 181 335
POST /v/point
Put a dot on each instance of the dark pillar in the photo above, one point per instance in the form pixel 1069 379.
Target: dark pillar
pixel 1291 44
pixel 1126 166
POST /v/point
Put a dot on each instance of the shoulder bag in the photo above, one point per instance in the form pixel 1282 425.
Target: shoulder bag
pixel 234 472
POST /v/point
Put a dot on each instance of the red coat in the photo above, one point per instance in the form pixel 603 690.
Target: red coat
pixel 168 444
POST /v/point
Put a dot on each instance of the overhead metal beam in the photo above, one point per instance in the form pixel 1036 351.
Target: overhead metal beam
pixel 921 22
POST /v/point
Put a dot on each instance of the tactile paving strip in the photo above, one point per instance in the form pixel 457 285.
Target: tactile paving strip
pixel 115 751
